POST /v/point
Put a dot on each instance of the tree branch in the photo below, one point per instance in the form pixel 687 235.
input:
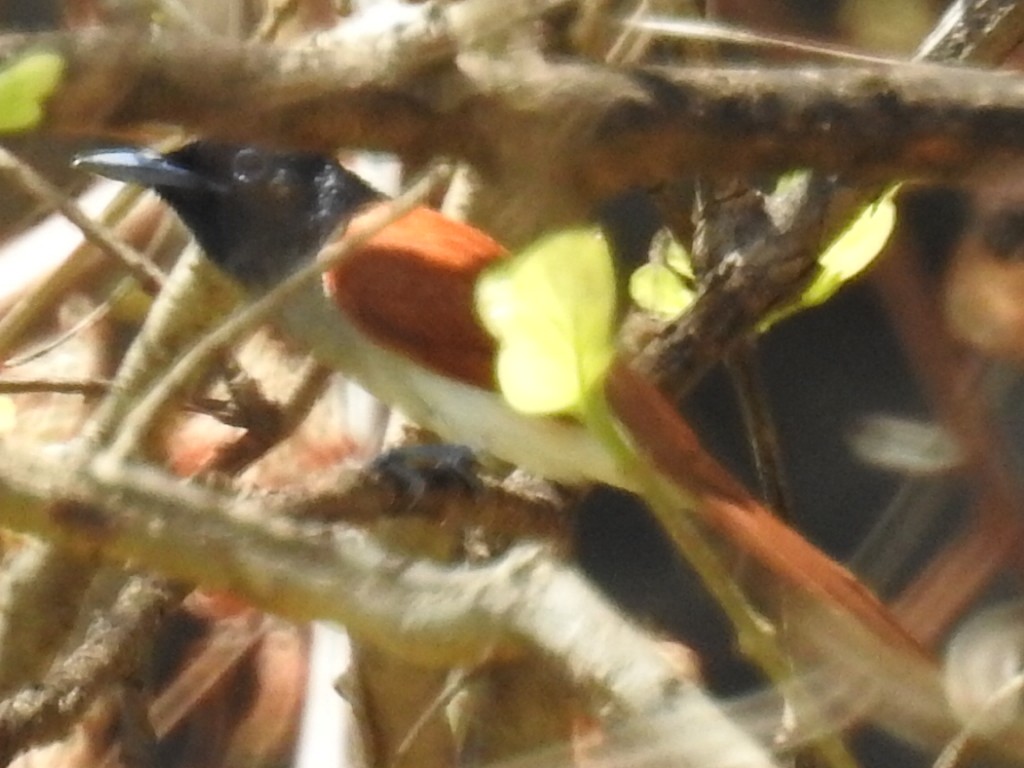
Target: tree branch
pixel 304 572
pixel 112 648
pixel 779 254
pixel 583 132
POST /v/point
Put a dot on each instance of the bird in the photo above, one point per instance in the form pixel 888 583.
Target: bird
pixel 398 316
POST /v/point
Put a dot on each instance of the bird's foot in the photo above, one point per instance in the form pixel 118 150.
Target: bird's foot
pixel 414 469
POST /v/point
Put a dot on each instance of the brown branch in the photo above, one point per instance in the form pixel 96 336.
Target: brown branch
pixel 113 647
pixel 628 129
pixel 35 574
pixel 304 572
pixel 779 253
pixel 85 387
pixel 585 132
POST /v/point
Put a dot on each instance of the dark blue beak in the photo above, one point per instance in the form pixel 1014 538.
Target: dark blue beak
pixel 144 167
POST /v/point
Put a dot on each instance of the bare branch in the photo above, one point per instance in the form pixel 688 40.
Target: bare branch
pixel 585 132
pixel 32 575
pixel 113 647
pixel 520 600
pixel 148 274
pixel 978 31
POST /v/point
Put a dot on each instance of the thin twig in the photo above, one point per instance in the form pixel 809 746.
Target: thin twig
pixel 762 430
pixel 137 423
pixel 149 275
pixel 272 422
pixel 68 276
pixel 197 296
pixel 210 406
pixel 457 681
pixel 689 29
pixel 87 387
pixel 94 316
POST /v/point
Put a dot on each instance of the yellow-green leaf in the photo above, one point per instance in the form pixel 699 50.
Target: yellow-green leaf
pixel 790 181
pixel 25 85
pixel 660 289
pixel 552 309
pixel 849 254
pixel 675 256
pixel 664 285
pixel 854 249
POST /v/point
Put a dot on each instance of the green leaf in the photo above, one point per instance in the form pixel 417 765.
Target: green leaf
pixel 854 249
pixel 664 285
pixel 552 310
pixel 849 254
pixel 791 181
pixel 675 256
pixel 660 289
pixel 25 85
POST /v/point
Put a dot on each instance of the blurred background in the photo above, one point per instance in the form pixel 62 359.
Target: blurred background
pixel 879 397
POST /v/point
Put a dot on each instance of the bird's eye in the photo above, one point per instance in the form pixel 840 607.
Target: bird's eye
pixel 248 165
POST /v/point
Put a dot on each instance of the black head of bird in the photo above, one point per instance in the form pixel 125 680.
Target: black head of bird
pixel 256 213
